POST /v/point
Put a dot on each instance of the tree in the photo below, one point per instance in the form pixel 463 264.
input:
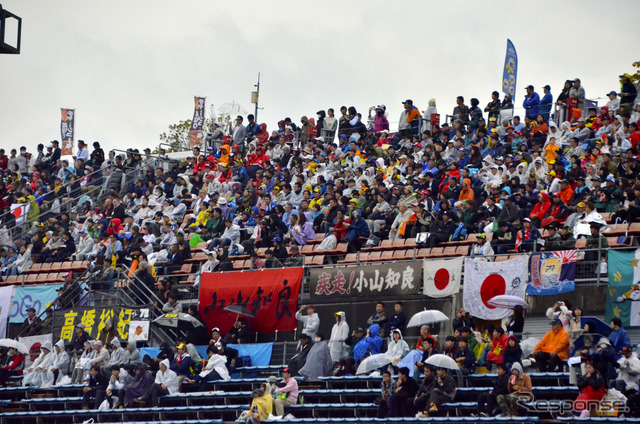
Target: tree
pixel 636 77
pixel 177 137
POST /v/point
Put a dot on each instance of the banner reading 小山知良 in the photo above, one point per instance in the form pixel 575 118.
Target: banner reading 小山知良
pixel 67 130
pixel 366 280
pixel 270 295
pixel 197 123
pixel 94 320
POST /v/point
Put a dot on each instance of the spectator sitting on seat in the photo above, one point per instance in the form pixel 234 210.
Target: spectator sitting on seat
pixel 97 382
pixel 592 389
pixel 142 380
pixel 397 348
pixel 181 363
pixel 441 230
pixel 425 334
pixel 61 362
pixel 310 322
pixel 388 388
pixel 628 372
pixel 487 401
pixel 14 366
pixel 406 389
pixel 604 358
pixel 36 374
pixel 498 345
pixel 553 348
pixel 166 383
pixel 482 247
pixel 300 358
pixel 379 317
pixel 261 406
pixel 349 361
pixel 444 390
pixel 216 368
pixel 513 352
pixel 118 355
pixel 519 384
pixel 286 393
pixel 132 356
pixel 239 333
pixel 295 259
pixel 450 346
pixel 465 358
pixel 618 336
pixel 215 336
pixel 428 350
pixel 119 382
pixel 172 306
pixel 270 261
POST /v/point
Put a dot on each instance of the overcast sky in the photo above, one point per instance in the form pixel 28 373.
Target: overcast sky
pixel 131 68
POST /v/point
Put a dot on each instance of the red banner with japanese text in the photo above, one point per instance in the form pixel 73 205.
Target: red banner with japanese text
pixel 267 297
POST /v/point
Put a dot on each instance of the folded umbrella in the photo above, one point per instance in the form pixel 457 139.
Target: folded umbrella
pixel 177 320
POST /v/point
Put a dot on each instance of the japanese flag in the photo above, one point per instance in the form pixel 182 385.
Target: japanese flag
pixel 20 211
pixel 484 280
pixel 442 277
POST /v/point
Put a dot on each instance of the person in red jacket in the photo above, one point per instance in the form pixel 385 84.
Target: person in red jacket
pixel 14 367
pixel 499 344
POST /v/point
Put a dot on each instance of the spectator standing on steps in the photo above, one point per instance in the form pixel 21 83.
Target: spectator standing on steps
pixel 310 322
pixel 380 318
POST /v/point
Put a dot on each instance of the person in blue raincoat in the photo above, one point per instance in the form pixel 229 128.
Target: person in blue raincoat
pixel 358 227
pixel 371 343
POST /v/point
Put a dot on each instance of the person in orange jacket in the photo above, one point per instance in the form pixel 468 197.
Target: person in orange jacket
pixel 553 348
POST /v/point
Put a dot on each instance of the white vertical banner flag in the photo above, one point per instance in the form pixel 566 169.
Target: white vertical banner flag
pixel 6 296
pixel 442 276
pixel 484 280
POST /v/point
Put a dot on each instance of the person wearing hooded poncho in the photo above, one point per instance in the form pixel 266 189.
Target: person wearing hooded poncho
pixel 35 375
pixel 302 352
pixel 397 347
pixel 83 363
pixel 61 363
pixel 118 355
pixel 166 383
pixel 319 362
pixel 339 335
pixel 216 368
pixel 371 343
pixel 141 382
pixel 132 355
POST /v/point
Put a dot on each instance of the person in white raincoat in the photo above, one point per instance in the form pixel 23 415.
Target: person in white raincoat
pixel 118 355
pixel 339 334
pixel 216 368
pixel 61 363
pixel 397 347
pixel 166 383
pixel 35 374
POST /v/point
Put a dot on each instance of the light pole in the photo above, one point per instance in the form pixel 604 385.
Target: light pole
pixel 10 42
pixel 255 97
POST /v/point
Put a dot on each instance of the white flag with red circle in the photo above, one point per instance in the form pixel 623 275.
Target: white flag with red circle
pixel 484 280
pixel 442 276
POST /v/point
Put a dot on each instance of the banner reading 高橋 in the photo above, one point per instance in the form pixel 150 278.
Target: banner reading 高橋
pixel 552 273
pixel 197 123
pixel 270 295
pixel 67 130
pixel 510 71
pixel 36 297
pixel 366 280
pixel 94 319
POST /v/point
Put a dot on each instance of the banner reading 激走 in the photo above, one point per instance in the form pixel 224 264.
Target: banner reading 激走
pixel 197 123
pixel 67 130
pixel 94 320
pixel 366 280
pixel 270 295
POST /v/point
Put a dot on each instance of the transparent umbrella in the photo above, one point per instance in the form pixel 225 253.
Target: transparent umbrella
pixel 373 363
pixel 427 317
pixel 232 109
pixel 507 301
pixel 20 347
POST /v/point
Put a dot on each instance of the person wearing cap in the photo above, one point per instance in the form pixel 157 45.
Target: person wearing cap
pixel 628 367
pixel 553 348
pixel 286 395
pixel 482 247
pixel 32 324
pixel 553 238
pixel 409 119
pixel 310 321
pixel 527 236
pixel 546 102
pixel 596 244
pixel 628 92
pixel 101 357
pixel 348 363
pixel 181 363
pixel 557 213
pixel 84 247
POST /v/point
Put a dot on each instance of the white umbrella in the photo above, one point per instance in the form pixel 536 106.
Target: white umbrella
pixel 373 363
pixel 528 346
pixel 507 301
pixel 232 109
pixel 427 317
pixel 442 361
pixel 20 347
